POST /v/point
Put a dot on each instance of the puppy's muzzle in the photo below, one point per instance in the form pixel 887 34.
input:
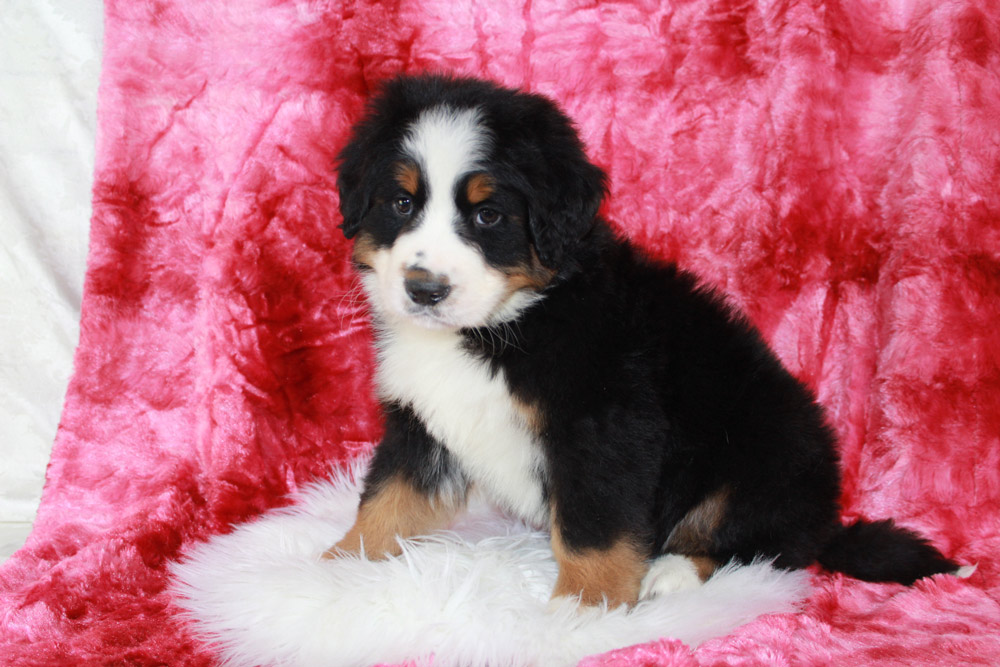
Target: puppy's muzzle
pixel 425 288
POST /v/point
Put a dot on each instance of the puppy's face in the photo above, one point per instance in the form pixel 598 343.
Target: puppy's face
pixel 466 200
pixel 445 243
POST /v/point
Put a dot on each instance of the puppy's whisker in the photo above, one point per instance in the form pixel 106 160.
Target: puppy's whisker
pixel 351 304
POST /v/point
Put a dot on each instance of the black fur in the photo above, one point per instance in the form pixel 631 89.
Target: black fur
pixel 665 418
pixel 881 551
pixel 539 148
pixel 408 450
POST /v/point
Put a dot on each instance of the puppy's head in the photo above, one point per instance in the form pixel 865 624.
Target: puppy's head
pixel 465 200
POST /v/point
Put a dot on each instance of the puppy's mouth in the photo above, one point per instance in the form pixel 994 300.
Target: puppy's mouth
pixel 429 317
pixel 395 305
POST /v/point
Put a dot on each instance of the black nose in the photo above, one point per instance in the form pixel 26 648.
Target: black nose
pixel 424 288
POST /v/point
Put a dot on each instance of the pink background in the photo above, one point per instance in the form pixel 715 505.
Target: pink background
pixel 830 165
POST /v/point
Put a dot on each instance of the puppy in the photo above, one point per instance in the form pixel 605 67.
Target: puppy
pixel 526 349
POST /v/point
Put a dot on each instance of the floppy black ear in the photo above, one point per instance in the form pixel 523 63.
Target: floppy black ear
pixel 355 183
pixel 564 188
pixel 563 207
pixel 361 160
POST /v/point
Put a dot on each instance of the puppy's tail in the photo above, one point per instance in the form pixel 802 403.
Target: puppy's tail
pixel 882 551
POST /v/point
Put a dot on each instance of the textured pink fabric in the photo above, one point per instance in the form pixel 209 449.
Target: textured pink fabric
pixel 832 165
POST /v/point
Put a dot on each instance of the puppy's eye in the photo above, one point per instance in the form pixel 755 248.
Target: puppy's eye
pixel 487 217
pixel 403 206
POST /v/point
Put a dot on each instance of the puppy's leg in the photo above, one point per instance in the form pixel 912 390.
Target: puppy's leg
pixel 686 564
pixel 395 509
pixel 413 487
pixel 611 572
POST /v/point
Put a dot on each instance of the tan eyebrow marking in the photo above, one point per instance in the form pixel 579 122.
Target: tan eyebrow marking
pixel 408 176
pixel 479 188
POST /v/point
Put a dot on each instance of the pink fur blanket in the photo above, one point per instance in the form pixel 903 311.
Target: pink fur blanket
pixel 833 166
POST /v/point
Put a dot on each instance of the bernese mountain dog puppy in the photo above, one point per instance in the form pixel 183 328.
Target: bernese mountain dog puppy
pixel 525 348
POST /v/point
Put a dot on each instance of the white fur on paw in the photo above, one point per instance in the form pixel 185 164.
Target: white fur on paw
pixel 669 574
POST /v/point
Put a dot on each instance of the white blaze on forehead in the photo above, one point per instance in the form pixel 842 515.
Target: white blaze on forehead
pixel 447 143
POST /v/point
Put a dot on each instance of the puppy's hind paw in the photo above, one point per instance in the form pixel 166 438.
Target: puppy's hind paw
pixel 669 574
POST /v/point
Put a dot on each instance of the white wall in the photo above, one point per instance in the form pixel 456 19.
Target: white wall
pixel 50 53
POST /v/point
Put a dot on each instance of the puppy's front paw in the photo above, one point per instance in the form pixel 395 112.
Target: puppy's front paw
pixel 614 588
pixel 563 604
pixel 596 576
pixel 592 597
pixel 669 574
pixel 335 552
pixel 355 544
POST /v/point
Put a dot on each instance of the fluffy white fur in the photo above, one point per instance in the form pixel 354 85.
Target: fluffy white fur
pixel 475 595
pixel 467 407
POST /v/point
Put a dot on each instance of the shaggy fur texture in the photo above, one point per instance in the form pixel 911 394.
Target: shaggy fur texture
pixel 832 166
pixel 473 595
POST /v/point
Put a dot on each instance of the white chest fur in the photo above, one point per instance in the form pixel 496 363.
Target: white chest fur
pixel 469 410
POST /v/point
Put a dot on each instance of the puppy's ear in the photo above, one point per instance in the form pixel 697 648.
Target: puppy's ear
pixel 564 188
pixel 563 207
pixel 359 162
pixel 355 184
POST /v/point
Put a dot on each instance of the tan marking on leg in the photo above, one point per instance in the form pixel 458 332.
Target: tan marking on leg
pixel 593 575
pixel 704 566
pixel 693 534
pixel 479 188
pixel 408 176
pixel 396 509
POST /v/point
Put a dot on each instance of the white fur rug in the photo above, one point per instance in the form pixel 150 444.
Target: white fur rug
pixel 474 595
